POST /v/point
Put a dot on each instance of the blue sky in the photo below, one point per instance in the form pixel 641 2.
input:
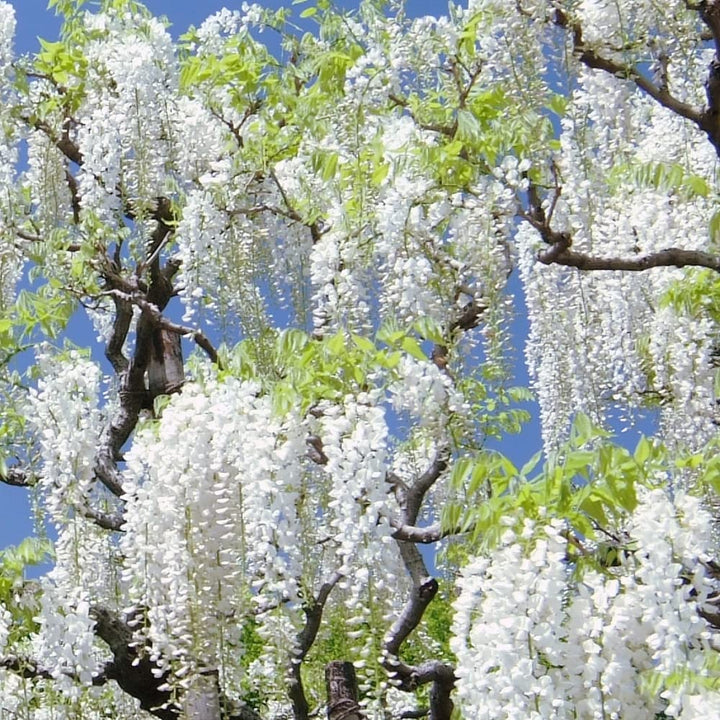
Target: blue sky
pixel 33 21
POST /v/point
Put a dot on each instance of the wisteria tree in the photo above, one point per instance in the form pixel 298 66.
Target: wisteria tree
pixel 270 455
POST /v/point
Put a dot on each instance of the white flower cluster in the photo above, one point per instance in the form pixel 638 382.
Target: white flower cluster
pixel 125 126
pixel 406 248
pixel 508 631
pixel 536 637
pixel 511 172
pixel 355 443
pixel 65 415
pixel 338 277
pixel 507 44
pixel 215 29
pixel 681 350
pixel 200 240
pixel 245 522
pixel 602 338
pixel 608 23
pixel 217 480
pixel 47 181
pixel 425 393
pixel 199 143
pixel 10 258
pixel 66 641
pixel 7 34
pixel 5 623
pixel 220 249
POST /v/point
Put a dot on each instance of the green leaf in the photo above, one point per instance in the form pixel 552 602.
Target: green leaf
pixel 428 329
pixel 160 402
pixel 460 469
pixel 642 451
pixel 380 173
pixel 329 167
pixel 714 227
pixel 308 12
pixel 531 464
pixel 582 429
pixel 390 334
pixel 291 343
pixel 468 127
pixel 364 343
pixel 336 344
pixel 411 347
pixel 558 104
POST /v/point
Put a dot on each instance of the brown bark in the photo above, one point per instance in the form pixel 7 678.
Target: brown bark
pixel 440 676
pixel 672 257
pixel 342 692
pixel 131 668
pixel 166 373
pixel 305 638
pixel 138 676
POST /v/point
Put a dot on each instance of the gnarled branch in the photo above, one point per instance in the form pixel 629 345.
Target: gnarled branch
pixel 313 610
pixel 672 257
pixel 18 477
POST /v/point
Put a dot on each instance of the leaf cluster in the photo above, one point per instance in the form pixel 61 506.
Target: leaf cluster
pixel 590 481
pixel 17 595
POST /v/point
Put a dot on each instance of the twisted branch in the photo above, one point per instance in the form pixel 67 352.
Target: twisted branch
pixel 707 120
pixel 424 590
pixel 18 477
pixel 313 610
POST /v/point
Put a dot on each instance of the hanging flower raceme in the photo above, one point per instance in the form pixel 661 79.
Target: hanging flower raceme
pixel 217 479
pixel 602 339
pixel 537 637
pixel 124 129
pixel 64 412
pixel 10 257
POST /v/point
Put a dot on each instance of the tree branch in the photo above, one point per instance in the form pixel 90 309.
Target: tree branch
pixel 131 668
pixel 672 257
pixel 134 394
pixel 120 329
pixel 313 610
pixel 106 521
pixel 140 677
pixel 424 590
pixel 705 120
pixel 710 15
pixel 422 535
pixel 417 491
pixel 74 194
pixel 159 320
pixel 316 232
pixel 447 130
pixel 18 477
pixel 559 250
pixel 63 143
pixel 420 597
pixel 440 675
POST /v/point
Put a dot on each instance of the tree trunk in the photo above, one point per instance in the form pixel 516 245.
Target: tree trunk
pixel 342 692
pixel 165 367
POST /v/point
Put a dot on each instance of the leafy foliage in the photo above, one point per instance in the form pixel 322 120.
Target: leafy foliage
pixel 338 218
